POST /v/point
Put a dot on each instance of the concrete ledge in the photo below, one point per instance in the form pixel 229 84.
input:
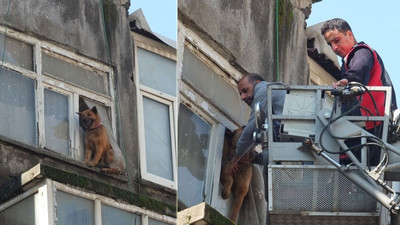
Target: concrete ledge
pixel 20 183
pixel 202 214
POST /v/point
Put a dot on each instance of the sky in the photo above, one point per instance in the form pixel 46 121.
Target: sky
pixel 374 22
pixel 161 15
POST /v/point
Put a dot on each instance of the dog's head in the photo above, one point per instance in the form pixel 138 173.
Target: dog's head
pixel 89 118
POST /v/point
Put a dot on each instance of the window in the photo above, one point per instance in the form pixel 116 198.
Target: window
pixel 57 121
pixel 158 137
pixel 16 52
pixel 209 103
pixel 156 222
pixel 41 86
pixel 193 150
pixel 157 103
pixel 12 215
pixel 115 216
pixel 51 202
pixel 74 210
pixel 65 69
pixel 17 107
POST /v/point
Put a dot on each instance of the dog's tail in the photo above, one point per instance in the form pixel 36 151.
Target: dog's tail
pixel 110 156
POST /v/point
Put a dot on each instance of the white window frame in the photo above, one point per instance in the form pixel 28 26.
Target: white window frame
pixel 46 204
pixel 201 106
pixel 143 159
pixel 71 119
pixel 73 91
pixel 216 142
pixel 99 199
pixel 44 210
pixel 161 97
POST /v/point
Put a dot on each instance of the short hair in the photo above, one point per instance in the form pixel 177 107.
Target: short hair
pixel 336 23
pixel 252 77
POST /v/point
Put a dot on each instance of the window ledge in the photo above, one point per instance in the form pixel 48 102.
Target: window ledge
pixel 150 184
pixel 202 214
pixel 54 156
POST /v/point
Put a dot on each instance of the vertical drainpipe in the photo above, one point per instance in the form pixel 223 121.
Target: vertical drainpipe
pixel 277 37
pixel 5 37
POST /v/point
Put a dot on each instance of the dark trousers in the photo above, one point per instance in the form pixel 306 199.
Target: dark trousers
pixel 373 152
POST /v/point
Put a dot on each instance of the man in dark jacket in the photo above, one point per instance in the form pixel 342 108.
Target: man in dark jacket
pixel 360 63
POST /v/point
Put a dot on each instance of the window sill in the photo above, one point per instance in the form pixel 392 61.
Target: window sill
pixel 51 157
pixel 202 214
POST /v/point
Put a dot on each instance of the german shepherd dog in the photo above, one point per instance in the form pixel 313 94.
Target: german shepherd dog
pixel 97 145
pixel 238 179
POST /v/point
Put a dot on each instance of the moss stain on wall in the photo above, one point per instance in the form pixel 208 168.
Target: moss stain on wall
pixel 108 190
pixel 285 18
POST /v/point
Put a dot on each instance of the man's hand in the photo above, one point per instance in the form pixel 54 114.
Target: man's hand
pixel 340 83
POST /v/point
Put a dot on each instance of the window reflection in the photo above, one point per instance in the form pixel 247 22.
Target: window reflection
pixel 193 138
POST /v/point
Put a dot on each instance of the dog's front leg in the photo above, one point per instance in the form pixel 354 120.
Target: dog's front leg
pixel 88 155
pixel 97 157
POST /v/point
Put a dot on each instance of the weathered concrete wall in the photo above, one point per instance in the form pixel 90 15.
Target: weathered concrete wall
pixel 292 40
pixel 121 52
pixel 71 23
pixel 14 161
pixel 247 30
pixel 243 27
pixel 78 26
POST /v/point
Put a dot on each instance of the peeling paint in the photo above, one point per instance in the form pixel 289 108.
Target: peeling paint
pixel 204 105
pixel 191 95
pixel 61 85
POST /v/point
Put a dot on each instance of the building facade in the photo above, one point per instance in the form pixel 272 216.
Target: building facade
pixel 59 58
pixel 219 42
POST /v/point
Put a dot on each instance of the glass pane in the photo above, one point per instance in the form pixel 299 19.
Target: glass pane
pixel 17 52
pixel 193 150
pixel 13 215
pixel 74 74
pixel 157 72
pixel 114 216
pixel 158 138
pixel 73 210
pixel 214 86
pixel 56 122
pixel 17 107
pixel 155 222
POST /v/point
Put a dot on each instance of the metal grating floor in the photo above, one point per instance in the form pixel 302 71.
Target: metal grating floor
pixel 322 220
pixel 316 190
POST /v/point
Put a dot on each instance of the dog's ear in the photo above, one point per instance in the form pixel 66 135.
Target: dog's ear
pixel 229 133
pixel 94 109
pixel 79 113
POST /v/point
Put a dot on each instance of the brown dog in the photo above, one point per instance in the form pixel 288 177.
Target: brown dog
pixel 97 144
pixel 239 179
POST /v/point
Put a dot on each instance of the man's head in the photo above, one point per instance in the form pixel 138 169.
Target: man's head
pixel 246 87
pixel 337 33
